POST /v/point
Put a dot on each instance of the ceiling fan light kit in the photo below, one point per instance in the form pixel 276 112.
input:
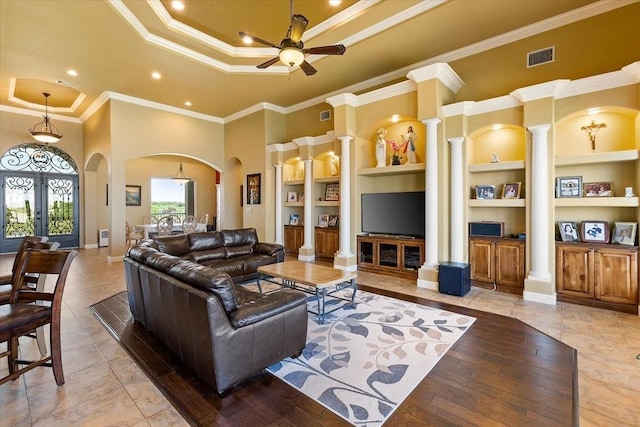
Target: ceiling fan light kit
pixel 292 51
pixel 45 131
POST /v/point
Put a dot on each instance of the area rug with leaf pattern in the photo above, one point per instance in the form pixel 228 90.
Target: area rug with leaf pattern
pixel 366 359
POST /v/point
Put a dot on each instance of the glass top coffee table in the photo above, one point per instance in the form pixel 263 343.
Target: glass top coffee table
pixel 314 279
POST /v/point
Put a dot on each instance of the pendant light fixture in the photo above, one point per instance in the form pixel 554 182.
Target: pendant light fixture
pixel 180 176
pixel 45 131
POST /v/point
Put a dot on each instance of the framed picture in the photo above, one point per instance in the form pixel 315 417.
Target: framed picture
pixel 323 220
pixel 133 195
pixel 292 196
pixel 598 189
pixel 624 233
pixel 595 231
pixel 253 189
pixel 485 191
pixel 333 220
pixel 511 190
pixel 301 196
pixel 332 192
pixel 568 231
pixel 569 186
pixel 294 219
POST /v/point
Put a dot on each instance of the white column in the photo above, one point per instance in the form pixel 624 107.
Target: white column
pixel 309 221
pixel 457 201
pixel 219 207
pixel 279 203
pixel 345 198
pixel 431 196
pixel 539 235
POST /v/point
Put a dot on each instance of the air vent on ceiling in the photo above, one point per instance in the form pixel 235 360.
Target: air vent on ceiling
pixel 542 56
pixel 325 115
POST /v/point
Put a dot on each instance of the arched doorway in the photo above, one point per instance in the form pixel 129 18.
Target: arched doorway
pixel 39 196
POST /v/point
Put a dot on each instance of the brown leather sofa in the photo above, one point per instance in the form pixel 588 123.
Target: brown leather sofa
pixel 222 331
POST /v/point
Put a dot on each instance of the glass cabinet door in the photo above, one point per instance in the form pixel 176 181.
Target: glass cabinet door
pixel 388 255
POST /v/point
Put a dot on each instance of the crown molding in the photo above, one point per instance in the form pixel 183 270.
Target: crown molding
pixel 348 99
pixel 71 109
pixel 540 91
pixel 628 75
pixel 387 92
pixel 440 71
pixel 254 109
pixel 463 108
pixel 495 104
pixel 24 112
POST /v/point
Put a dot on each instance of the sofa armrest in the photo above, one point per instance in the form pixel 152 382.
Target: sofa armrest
pixel 266 306
pixel 272 249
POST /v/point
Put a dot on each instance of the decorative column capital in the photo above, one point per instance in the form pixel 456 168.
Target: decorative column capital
pixel 432 121
pixel 345 139
pixel 539 129
pixel 458 140
pixel 279 165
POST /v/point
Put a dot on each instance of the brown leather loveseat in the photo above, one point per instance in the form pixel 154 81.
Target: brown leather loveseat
pixel 222 331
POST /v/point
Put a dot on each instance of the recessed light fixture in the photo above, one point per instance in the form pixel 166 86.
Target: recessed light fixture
pixel 188 104
pixel 247 40
pixel 592 111
pixel 496 127
pixel 156 75
pixel 335 2
pixel 73 73
pixel 177 5
pixel 395 118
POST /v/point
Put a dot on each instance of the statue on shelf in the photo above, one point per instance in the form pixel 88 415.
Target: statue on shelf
pixel 495 158
pixel 410 145
pixel 334 165
pixel 381 148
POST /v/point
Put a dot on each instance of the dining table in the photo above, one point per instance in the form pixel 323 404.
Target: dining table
pixel 152 228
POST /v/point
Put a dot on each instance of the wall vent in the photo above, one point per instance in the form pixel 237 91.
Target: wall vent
pixel 325 115
pixel 542 56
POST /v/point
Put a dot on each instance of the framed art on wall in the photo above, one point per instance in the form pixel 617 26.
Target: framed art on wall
pixel 253 189
pixel 133 195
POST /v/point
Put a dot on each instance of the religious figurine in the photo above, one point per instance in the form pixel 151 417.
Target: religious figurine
pixel 592 129
pixel 381 148
pixel 410 147
pixel 495 158
pixel 334 165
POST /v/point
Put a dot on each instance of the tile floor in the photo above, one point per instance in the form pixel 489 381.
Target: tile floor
pixel 105 387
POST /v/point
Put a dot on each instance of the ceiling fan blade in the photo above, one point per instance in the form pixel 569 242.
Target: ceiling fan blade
pixel 308 68
pixel 257 39
pixel 268 63
pixel 298 25
pixel 337 49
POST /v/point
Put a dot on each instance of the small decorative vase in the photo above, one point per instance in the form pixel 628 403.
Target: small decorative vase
pixel 395 160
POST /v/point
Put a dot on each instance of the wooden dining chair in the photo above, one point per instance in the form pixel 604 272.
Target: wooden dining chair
pixel 165 226
pixel 133 234
pixel 28 310
pixel 190 224
pixel 6 278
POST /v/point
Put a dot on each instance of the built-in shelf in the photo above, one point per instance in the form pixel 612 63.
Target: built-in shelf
pixel 294 182
pixel 497 203
pixel 294 204
pixel 608 157
pixel 495 167
pixel 393 170
pixel 328 179
pixel 624 202
pixel 328 203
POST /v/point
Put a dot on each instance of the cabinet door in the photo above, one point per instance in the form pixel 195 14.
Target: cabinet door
pixel 366 252
pixel 481 257
pixel 412 256
pixel 326 242
pixel 574 271
pixel 616 275
pixel 293 238
pixel 389 255
pixel 510 263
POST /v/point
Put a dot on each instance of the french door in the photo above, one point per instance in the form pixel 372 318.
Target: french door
pixel 39 196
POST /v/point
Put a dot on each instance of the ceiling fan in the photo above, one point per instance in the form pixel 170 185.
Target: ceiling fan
pixel 292 50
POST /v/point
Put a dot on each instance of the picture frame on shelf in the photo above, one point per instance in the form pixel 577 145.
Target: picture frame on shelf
pixel 323 220
pixel 598 189
pixel 133 195
pixel 333 221
pixel 568 231
pixel 294 219
pixel 511 190
pixel 292 196
pixel 332 192
pixel 624 233
pixel 485 192
pixel 595 231
pixel 569 186
pixel 301 197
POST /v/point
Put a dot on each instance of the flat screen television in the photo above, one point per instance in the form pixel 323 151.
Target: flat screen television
pixel 400 214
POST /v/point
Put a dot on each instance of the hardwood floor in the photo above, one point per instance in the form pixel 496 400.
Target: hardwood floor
pixel 500 371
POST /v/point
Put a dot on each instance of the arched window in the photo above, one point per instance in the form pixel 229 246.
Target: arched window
pixel 32 157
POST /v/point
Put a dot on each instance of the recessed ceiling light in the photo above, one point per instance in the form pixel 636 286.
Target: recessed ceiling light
pixel 177 5
pixel 247 40
pixel 395 118
pixel 335 2
pixel 593 111
pixel 73 73
pixel 188 104
pixel 156 75
pixel 496 127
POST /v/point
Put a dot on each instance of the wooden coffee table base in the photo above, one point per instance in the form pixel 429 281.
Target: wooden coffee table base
pixel 313 279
